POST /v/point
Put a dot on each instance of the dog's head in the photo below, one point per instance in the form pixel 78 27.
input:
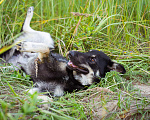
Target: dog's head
pixel 91 65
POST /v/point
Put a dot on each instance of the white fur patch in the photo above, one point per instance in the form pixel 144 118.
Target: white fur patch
pixel 62 66
pixel 97 73
pixel 45 98
pixel 52 87
pixel 30 35
pixel 58 91
pixel 115 66
pixel 85 79
pixel 49 86
pixel 33 90
pixel 26 26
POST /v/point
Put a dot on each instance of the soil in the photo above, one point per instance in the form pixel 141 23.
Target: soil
pixel 144 89
pixel 103 103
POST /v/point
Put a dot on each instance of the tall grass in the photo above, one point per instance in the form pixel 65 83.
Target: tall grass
pixel 55 17
pixel 120 28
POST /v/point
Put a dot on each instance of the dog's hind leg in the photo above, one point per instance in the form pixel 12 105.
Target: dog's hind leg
pixel 40 48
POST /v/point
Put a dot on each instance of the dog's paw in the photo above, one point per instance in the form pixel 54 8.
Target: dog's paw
pixel 21 46
pixel 26 46
pixel 45 101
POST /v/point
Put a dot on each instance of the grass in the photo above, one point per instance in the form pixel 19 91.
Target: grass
pixel 120 28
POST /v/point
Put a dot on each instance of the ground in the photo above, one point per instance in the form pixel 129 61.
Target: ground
pixel 104 103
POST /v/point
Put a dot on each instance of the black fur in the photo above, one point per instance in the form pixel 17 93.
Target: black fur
pixel 56 70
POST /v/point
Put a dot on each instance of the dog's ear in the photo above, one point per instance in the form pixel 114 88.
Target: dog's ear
pixel 116 67
pixel 102 66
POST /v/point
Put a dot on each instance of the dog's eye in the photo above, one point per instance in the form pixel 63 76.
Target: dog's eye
pixel 93 59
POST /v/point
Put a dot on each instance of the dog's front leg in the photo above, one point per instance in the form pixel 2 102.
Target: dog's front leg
pixel 40 48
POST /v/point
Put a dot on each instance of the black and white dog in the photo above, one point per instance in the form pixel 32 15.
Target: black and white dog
pixel 51 71
pixel 55 74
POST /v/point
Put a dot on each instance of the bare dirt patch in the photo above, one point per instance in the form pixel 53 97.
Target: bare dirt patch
pixel 104 104
pixel 144 89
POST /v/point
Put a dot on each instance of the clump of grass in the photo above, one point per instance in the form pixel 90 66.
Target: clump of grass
pixel 119 28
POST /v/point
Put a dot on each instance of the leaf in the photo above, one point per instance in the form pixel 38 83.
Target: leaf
pixel 103 21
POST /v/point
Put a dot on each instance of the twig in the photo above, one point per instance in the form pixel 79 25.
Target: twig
pixel 75 31
pixel 84 14
pixel 36 67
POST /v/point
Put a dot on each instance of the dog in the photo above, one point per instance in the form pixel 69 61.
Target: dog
pixel 55 74
pixel 52 72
